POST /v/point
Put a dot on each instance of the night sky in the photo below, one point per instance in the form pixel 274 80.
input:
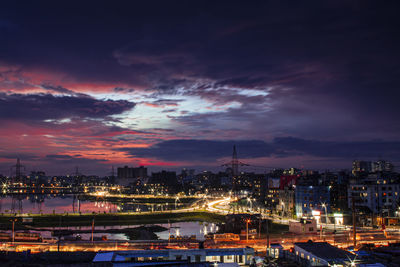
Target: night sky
pixel 173 84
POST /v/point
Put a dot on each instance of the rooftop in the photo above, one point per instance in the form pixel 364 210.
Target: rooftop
pixel 120 256
pixel 324 250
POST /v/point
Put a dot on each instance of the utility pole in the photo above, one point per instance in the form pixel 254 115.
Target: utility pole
pixel 59 235
pixel 169 232
pixel 320 230
pixel 13 229
pixel 267 233
pixel 334 231
pixel 247 230
pixel 354 223
pixel 372 219
pixel 73 203
pixel 92 230
pixel 267 252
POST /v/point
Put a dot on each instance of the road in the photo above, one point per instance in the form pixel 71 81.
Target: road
pixel 343 237
pixel 221 206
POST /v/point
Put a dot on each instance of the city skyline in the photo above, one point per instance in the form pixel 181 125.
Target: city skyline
pixel 174 84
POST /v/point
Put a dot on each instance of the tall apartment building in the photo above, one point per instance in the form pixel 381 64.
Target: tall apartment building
pixel 130 173
pixel 311 197
pixel 365 167
pixel 378 196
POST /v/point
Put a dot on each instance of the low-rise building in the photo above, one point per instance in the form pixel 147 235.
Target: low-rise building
pixel 240 256
pixel 275 250
pixel 322 254
pixel 303 226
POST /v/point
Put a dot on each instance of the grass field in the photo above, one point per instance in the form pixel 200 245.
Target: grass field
pixel 50 220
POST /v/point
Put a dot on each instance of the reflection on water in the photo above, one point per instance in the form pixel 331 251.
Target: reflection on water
pixel 182 228
pixel 187 229
pixel 41 203
pixel 36 204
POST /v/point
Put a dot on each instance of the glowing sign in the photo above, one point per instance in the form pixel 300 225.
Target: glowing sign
pixel 315 212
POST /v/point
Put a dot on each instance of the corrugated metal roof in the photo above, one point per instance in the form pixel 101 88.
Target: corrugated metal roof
pixel 120 256
pixel 324 250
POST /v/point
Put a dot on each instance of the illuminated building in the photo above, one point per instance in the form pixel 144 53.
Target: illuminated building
pixel 311 197
pixel 175 257
pixel 378 196
pixel 322 254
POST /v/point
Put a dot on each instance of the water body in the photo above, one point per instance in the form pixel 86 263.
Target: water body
pixel 36 204
pixel 187 229
pixel 47 203
pixel 199 229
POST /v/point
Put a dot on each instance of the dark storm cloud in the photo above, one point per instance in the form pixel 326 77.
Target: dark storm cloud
pixel 123 90
pixel 63 164
pixel 201 150
pixel 21 156
pixel 46 106
pixel 57 89
pixel 211 150
pixel 66 159
pixel 319 62
pixel 167 102
pixel 252 44
pixel 328 70
pixel 351 150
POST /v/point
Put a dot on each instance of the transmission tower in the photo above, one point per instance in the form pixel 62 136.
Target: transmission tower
pixel 77 176
pixel 18 172
pixel 234 164
pixel 76 171
pixel 16 204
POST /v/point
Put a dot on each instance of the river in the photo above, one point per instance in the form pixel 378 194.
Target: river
pixel 36 204
pixel 47 203
pixel 199 229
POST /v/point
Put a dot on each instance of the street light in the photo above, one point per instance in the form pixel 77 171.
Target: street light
pixel 326 214
pixel 176 200
pixel 251 204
